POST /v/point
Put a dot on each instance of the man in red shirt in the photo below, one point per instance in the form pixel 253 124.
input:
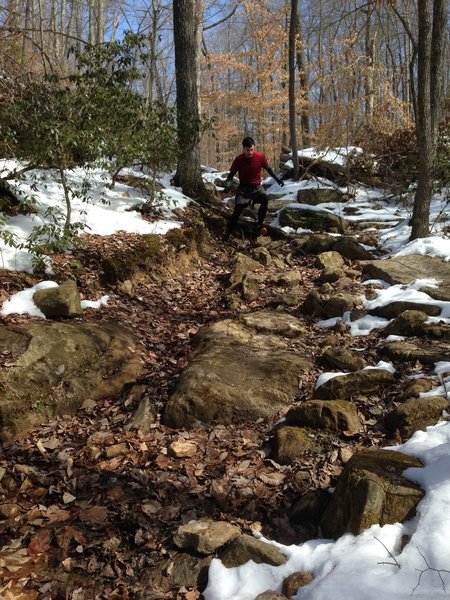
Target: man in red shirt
pixel 248 165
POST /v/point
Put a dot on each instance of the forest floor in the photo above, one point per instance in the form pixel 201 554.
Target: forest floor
pixel 89 508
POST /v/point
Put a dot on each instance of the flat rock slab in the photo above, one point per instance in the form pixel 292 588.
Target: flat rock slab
pixel 427 352
pixel 405 269
pixel 240 370
pixel 52 368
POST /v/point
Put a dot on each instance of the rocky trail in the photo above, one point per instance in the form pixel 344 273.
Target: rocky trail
pixel 91 503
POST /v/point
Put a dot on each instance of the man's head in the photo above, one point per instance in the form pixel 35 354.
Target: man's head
pixel 248 145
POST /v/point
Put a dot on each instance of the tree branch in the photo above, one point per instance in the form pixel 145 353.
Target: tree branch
pixel 220 21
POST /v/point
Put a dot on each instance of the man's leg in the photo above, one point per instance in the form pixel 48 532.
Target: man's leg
pixel 262 199
pixel 238 208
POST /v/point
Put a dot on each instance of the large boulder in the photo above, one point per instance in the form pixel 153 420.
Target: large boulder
pixel 314 219
pixel 319 195
pixel 240 370
pixel 54 367
pixel 371 490
pixel 405 269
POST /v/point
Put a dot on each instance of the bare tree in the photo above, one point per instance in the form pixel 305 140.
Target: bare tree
pixel 432 28
pixel 292 104
pixel 187 50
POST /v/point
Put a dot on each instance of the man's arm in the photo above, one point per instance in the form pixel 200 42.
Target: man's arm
pixel 274 175
pixel 229 179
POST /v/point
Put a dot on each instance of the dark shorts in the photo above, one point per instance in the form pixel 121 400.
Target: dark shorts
pixel 250 193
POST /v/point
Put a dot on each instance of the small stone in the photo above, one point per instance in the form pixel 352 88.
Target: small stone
pixel 270 595
pixel 290 443
pixel 144 417
pixel 88 405
pixel 182 449
pixel 250 288
pixel 67 565
pixel 264 240
pixel 94 452
pixel 330 260
pixel 205 536
pixel 116 450
pixel 287 278
pixel 294 582
pixel 246 547
pixel 9 510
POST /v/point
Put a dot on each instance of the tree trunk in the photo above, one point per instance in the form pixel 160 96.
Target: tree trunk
pixel 292 106
pixel 303 79
pixel 370 59
pixel 185 22
pixel 432 19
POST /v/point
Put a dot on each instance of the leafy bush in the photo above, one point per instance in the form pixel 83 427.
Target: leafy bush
pixel 96 115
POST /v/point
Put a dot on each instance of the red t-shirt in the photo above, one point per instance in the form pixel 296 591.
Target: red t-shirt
pixel 249 168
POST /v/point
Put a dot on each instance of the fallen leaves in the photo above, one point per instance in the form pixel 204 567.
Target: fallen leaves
pixel 95 515
pixel 40 542
pixel 84 496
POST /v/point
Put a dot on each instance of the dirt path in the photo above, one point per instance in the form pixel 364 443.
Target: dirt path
pixel 88 508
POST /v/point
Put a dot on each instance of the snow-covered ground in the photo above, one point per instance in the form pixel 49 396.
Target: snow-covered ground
pixel 374 564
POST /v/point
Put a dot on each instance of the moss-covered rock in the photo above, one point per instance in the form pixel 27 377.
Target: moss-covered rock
pixel 242 265
pixel 338 304
pixel 175 237
pixel 239 370
pixel 336 415
pixel 406 323
pixel 345 386
pixel 250 288
pixel 372 490
pixel 287 278
pixel 330 275
pixel 343 359
pixel 262 255
pixel 289 443
pixel 427 352
pixel 415 388
pixel 121 266
pixel 59 302
pixel 316 220
pixel 59 365
pixel 327 305
pixel 319 195
pixel 415 414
